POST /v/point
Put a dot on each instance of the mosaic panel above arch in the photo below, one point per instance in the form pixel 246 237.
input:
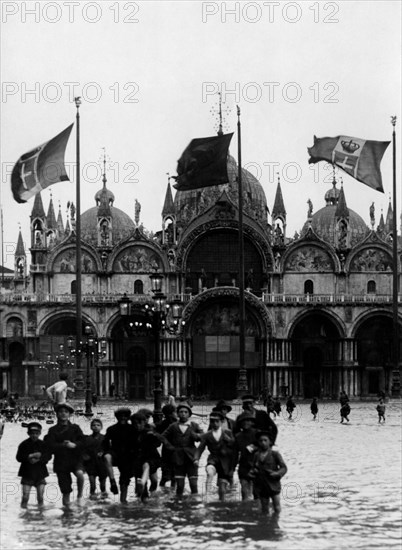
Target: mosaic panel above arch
pixel 137 259
pixel 371 259
pixel 65 262
pixel 309 258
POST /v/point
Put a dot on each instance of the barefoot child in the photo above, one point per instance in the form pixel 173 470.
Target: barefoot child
pixel 33 456
pixel 180 437
pixel 94 462
pixel 146 458
pixel 220 443
pixel 65 441
pixel 268 468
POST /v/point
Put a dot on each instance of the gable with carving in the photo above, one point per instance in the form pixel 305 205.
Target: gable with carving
pixel 309 258
pixel 137 259
pixel 371 259
pixel 65 262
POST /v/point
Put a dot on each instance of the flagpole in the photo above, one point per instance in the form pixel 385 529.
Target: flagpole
pixel 395 323
pixel 2 248
pixel 242 386
pixel 78 294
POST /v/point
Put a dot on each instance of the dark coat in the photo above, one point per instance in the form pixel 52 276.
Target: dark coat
pixel 37 471
pixel 245 456
pixel 263 467
pixel 182 444
pixel 222 451
pixel 264 423
pixel 64 458
pixel 94 464
pixel 119 442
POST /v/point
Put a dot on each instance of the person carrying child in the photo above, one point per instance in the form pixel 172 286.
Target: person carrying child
pixel 180 437
pixel 314 408
pixel 381 411
pixel 33 455
pixel 118 451
pixel 267 471
pixel 66 441
pixel 94 462
pixel 220 443
pixel 345 412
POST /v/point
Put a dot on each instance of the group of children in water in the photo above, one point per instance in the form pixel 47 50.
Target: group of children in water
pixel 132 446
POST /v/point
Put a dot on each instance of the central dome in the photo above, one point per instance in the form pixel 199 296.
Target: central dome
pixel 191 203
pixel 122 225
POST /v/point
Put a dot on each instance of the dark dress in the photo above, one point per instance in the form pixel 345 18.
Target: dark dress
pixel 32 474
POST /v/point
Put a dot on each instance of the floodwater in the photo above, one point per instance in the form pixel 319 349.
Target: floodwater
pixel 342 491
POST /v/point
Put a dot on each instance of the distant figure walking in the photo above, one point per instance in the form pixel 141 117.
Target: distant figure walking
pixel 314 408
pixel 57 393
pixel 381 411
pixel 345 412
pixel 290 406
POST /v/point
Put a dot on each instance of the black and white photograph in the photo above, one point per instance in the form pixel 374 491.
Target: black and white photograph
pixel 200 275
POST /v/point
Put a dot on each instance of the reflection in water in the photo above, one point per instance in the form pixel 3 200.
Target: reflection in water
pixel 342 491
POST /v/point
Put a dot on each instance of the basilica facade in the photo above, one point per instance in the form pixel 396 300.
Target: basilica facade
pixel 318 305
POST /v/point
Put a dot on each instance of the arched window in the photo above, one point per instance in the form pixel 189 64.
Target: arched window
pixel 309 287
pixel 74 287
pixel 371 287
pixel 138 287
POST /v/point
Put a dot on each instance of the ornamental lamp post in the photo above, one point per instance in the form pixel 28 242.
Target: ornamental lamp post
pixel 93 349
pixel 158 323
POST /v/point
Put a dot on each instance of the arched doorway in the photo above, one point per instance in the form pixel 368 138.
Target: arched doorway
pixel 16 352
pixel 136 370
pixel 312 366
pixel 214 327
pixel 316 344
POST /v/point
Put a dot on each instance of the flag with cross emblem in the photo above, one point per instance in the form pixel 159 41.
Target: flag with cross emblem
pixel 40 167
pixel 360 158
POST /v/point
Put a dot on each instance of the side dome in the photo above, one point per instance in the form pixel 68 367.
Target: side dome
pixel 122 225
pixel 192 203
pixel 325 222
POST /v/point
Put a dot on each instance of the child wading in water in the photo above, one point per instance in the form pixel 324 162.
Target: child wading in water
pixel 33 457
pixel 94 462
pixel 314 408
pixel 65 441
pixel 290 406
pixel 268 469
pixel 381 411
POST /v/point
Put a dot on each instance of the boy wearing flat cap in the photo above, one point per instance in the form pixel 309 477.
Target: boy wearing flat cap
pixel 33 455
pixel 220 443
pixel 245 447
pixel 262 419
pixel 118 449
pixel 66 442
pixel 180 437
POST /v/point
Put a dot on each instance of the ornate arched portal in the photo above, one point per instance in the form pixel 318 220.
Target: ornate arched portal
pixel 317 351
pixel 212 322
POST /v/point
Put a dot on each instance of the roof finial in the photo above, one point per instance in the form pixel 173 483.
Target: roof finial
pixel 333 176
pixel 169 176
pixel 279 178
pixel 217 111
pixel 104 167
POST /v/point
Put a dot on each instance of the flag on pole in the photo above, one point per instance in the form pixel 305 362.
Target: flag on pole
pixel 203 163
pixel 360 158
pixel 40 167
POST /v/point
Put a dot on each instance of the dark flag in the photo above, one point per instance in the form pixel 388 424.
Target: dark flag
pixel 40 167
pixel 360 158
pixel 203 163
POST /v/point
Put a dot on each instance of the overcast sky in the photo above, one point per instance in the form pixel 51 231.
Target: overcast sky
pixel 148 73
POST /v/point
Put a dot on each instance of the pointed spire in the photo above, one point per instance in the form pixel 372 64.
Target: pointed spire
pixel 389 218
pixel 342 210
pixel 168 207
pixel 37 210
pixel 60 224
pixel 20 250
pixel 51 216
pixel 381 224
pixel 278 211
pixel 104 198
